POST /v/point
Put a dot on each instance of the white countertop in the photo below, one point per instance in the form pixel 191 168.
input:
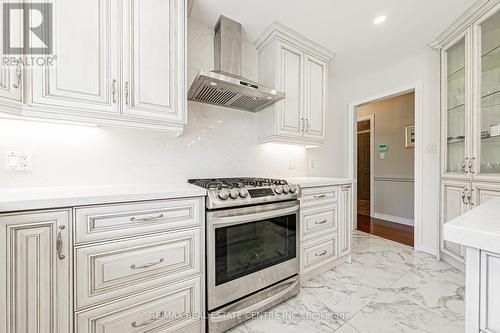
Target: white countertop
pixel 318 181
pixel 29 198
pixel 478 228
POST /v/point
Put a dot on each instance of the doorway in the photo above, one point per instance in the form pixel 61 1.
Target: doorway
pixel 385 160
pixel 364 164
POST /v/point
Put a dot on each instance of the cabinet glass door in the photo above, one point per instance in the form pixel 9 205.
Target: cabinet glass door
pixel 489 118
pixel 455 74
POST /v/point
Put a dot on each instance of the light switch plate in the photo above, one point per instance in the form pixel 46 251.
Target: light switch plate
pixel 18 161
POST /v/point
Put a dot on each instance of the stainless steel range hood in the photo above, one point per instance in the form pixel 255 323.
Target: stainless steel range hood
pixel 224 86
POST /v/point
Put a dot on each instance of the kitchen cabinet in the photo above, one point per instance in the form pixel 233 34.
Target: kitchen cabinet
pixel 490 292
pixel 299 68
pixel 470 112
pixel 117 63
pixel 36 278
pixel 455 200
pixel 129 260
pixel 346 212
pixel 326 214
pixel 10 76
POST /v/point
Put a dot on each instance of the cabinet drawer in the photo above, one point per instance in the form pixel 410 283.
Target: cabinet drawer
pixel 163 310
pixel 318 221
pixel 318 195
pixel 117 221
pixel 319 252
pixel 113 270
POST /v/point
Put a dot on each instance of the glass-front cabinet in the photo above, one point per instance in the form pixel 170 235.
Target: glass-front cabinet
pixel 456 104
pixel 488 107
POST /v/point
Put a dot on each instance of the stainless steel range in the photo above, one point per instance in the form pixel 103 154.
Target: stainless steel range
pixel 251 246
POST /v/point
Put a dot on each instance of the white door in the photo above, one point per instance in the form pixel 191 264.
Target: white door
pixel 290 81
pixel 36 254
pixel 85 76
pixel 11 75
pixel 153 59
pixel 345 220
pixel 315 98
pixel 454 203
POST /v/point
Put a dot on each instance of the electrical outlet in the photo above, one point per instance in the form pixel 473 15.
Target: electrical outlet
pixel 18 161
pixel 313 164
pixel 291 164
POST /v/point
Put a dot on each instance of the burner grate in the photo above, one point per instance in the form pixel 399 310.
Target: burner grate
pixel 219 183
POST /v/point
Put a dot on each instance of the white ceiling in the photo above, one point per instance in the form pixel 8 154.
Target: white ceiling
pixel 345 26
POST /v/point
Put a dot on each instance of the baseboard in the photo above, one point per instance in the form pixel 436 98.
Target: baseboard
pixel 395 219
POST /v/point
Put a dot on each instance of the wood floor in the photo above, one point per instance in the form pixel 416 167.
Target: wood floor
pixel 389 230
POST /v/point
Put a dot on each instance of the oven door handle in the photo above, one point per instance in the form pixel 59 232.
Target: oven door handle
pixel 287 286
pixel 221 222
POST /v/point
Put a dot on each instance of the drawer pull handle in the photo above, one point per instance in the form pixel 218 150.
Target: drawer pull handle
pixel 147 218
pixel 321 254
pixel 321 222
pixel 318 196
pixel 147 322
pixel 59 243
pixel 151 264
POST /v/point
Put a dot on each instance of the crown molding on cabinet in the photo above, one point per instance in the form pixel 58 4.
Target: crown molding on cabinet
pixel 278 30
pixel 463 21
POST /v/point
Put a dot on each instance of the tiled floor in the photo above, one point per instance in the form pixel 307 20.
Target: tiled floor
pixel 389 287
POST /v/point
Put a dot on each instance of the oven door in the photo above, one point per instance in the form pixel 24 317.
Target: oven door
pixel 250 248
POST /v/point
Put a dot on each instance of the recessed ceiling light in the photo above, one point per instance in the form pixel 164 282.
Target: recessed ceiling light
pixel 213 84
pixel 380 19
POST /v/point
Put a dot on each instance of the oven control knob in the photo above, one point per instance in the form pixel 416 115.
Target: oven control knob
pixel 243 192
pixel 293 188
pixel 234 193
pixel 278 189
pixel 223 194
pixel 286 189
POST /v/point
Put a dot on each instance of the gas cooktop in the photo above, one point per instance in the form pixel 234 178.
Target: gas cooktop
pixel 232 192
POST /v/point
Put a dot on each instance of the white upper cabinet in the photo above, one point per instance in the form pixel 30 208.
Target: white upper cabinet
pixel 10 76
pixel 298 67
pixel 117 63
pixel 153 60
pixel 85 76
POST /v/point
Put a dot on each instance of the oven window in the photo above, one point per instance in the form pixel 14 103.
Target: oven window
pixel 247 248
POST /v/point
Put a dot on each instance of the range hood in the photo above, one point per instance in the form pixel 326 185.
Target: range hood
pixel 224 86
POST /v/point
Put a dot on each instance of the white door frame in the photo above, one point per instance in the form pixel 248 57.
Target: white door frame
pixel 371 118
pixel 416 87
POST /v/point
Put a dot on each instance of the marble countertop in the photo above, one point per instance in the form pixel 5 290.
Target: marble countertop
pixel 30 198
pixel 478 228
pixel 319 181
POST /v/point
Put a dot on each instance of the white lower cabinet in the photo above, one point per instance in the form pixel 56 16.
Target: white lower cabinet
pixel 454 202
pixel 172 308
pixel 325 228
pixel 36 274
pixel 490 292
pixel 134 267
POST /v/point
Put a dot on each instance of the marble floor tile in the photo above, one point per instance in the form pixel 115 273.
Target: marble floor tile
pixel 391 312
pixel 389 287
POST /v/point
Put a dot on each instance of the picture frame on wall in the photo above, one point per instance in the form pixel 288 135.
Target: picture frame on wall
pixel 410 136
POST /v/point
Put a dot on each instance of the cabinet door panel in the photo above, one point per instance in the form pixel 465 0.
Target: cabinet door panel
pixel 345 220
pixel 11 76
pixel 456 105
pixel 452 207
pixel 485 192
pixel 85 73
pixel 490 292
pixel 153 59
pixel 38 280
pixel 315 97
pixel 290 81
pixel 488 117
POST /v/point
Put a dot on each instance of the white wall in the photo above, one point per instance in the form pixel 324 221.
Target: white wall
pixel 217 142
pixel 331 159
